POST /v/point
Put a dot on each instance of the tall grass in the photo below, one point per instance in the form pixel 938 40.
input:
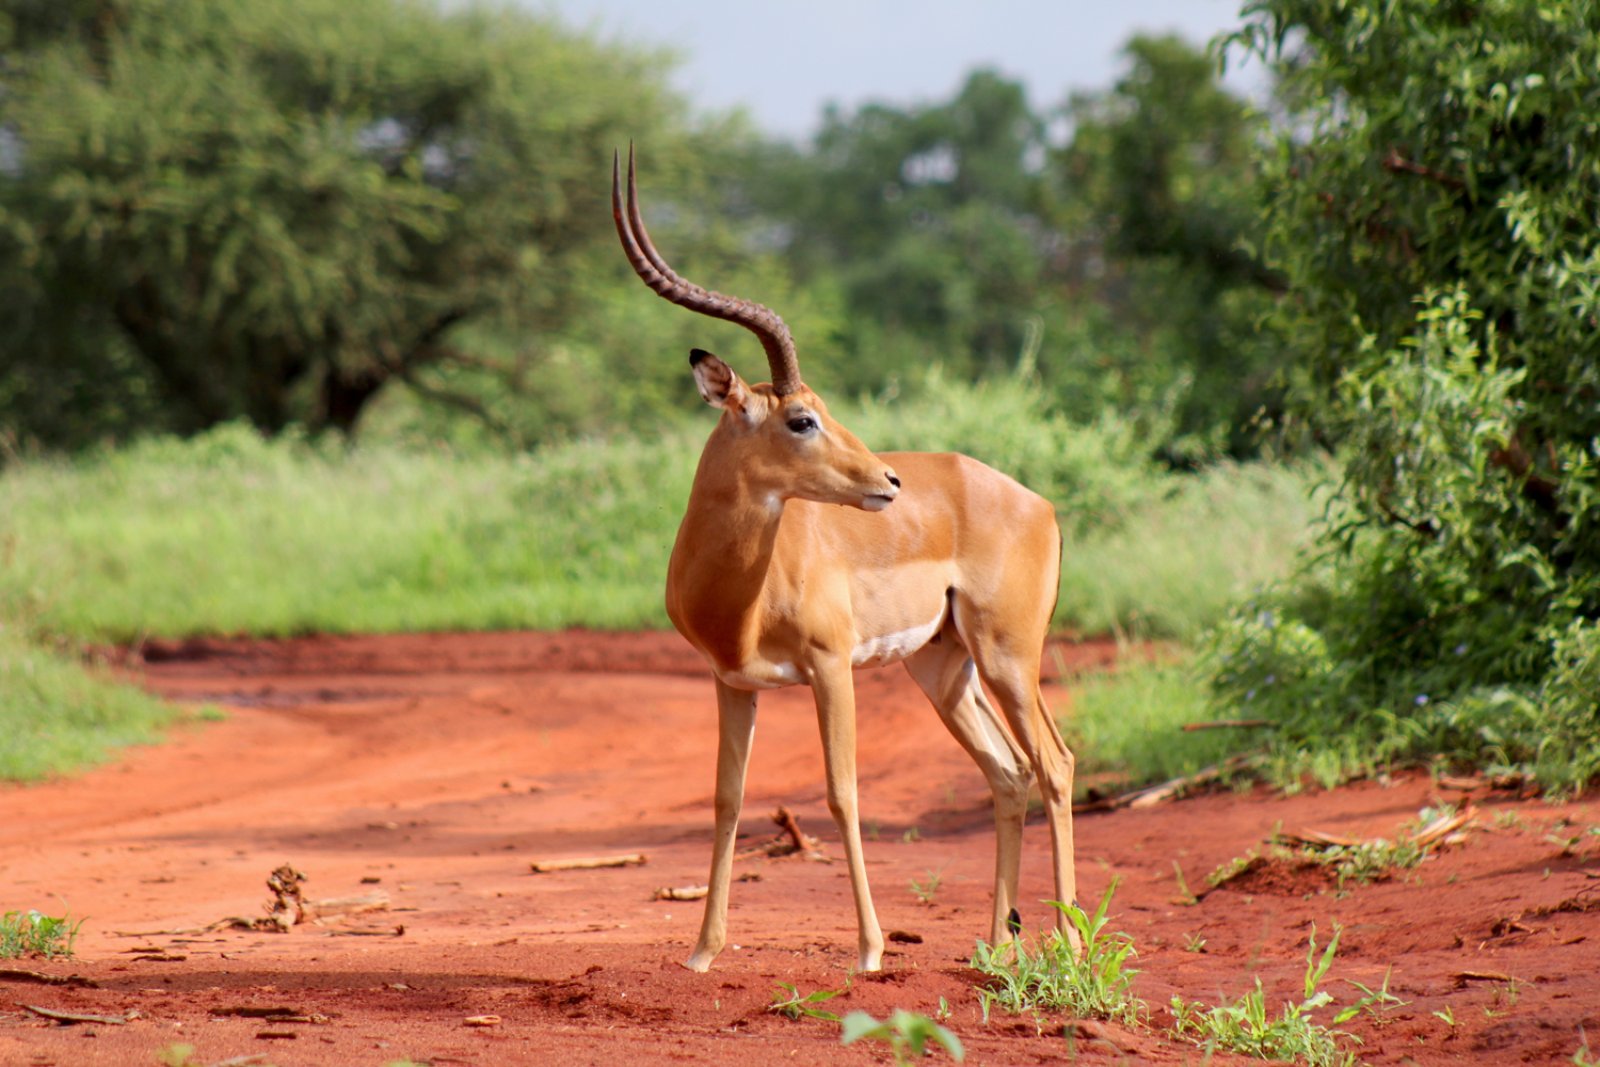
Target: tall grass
pixel 55 715
pixel 228 533
pixel 1126 726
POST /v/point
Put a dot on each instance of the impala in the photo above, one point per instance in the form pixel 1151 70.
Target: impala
pixel 803 555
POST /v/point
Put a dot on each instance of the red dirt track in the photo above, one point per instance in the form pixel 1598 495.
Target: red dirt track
pixel 435 768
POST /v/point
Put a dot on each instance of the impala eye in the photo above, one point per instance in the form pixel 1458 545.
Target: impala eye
pixel 802 424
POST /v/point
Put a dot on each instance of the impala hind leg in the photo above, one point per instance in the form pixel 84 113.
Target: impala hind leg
pixel 736 724
pixel 945 671
pixel 1008 662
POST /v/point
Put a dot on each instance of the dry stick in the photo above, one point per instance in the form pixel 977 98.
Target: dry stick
pixel 587 863
pixel 75 1017
pixel 681 892
pixel 17 974
pixel 1225 724
pixel 1168 790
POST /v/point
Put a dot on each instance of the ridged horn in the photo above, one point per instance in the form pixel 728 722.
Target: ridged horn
pixel 648 265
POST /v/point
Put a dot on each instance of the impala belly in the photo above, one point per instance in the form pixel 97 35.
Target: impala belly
pixel 894 647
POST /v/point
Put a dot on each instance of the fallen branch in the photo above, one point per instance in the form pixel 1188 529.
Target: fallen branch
pixel 317 910
pixel 70 1017
pixel 1225 724
pixel 1171 789
pixel 588 863
pixel 681 892
pixel 788 841
pixel 17 974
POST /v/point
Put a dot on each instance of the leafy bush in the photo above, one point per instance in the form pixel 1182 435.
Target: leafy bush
pixel 1432 206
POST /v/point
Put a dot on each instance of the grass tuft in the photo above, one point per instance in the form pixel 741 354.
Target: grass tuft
pixel 32 933
pixel 1245 1025
pixel 1096 985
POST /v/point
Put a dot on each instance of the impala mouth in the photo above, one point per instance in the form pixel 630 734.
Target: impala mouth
pixel 876 501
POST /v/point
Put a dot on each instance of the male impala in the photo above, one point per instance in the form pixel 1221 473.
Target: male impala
pixel 934 560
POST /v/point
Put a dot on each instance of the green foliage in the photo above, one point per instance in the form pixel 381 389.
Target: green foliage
pixel 33 933
pixel 230 533
pixel 788 1002
pixel 58 715
pixel 1155 193
pixel 1098 984
pixel 906 1033
pixel 1245 1025
pixel 1126 726
pixel 1114 262
pixel 1433 209
pixel 268 210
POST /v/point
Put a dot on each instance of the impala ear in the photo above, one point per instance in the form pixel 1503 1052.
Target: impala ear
pixel 717 382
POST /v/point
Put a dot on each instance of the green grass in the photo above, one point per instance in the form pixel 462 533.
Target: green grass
pixel 230 534
pixel 1246 1026
pixel 1053 977
pixel 56 714
pixel 32 933
pixel 1126 726
pixel 1183 557
pixel 908 1035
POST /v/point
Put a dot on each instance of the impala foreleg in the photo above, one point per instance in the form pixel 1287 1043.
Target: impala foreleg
pixel 946 674
pixel 836 717
pixel 736 724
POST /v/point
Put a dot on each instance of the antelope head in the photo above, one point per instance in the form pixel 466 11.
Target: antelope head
pixel 776 438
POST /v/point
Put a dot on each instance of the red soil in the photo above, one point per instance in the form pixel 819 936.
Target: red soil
pixel 436 767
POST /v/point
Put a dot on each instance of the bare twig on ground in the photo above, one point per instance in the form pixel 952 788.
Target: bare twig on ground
pixel 69 1017
pixel 1225 724
pixel 681 892
pixel 588 863
pixel 17 974
pixel 1172 788
pixel 789 841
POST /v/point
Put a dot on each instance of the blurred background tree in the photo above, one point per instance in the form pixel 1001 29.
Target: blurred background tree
pixel 271 209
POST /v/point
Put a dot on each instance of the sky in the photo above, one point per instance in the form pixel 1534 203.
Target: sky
pixel 783 60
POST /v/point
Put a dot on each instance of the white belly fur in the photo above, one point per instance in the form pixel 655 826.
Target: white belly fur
pixel 892 648
pixel 872 652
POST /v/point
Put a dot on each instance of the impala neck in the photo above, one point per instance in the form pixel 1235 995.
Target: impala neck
pixel 721 560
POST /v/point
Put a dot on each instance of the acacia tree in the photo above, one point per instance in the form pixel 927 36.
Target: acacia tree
pixel 269 209
pixel 1435 208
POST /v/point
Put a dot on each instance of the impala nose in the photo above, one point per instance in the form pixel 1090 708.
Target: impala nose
pixel 893 480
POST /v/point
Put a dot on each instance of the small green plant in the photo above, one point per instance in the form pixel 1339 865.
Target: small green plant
pixel 906 1033
pixel 1447 1015
pixel 1585 1056
pixel 1097 984
pixel 1368 861
pixel 32 933
pixel 1373 1002
pixel 1233 868
pixel 787 1001
pixel 1244 1026
pixel 911 835
pixel 927 889
pixel 1194 943
pixel 1185 896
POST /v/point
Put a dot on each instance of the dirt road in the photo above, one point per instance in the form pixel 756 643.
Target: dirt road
pixel 433 769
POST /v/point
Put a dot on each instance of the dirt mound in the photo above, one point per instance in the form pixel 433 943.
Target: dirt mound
pixel 432 770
